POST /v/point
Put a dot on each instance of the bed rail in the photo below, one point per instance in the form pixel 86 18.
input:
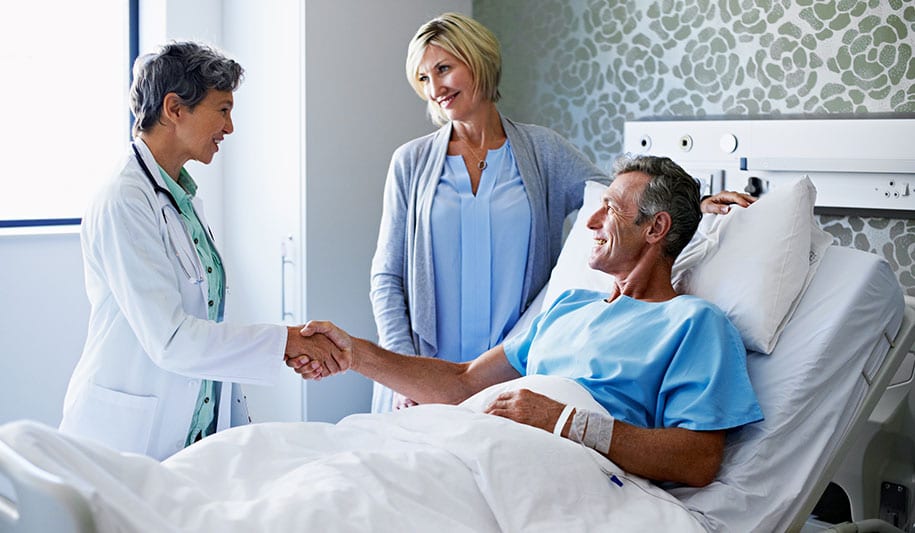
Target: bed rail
pixel 40 501
pixel 901 344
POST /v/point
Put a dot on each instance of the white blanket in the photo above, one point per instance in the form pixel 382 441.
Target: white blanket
pixel 427 468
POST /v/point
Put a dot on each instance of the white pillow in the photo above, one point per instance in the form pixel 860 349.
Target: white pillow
pixel 752 263
pixel 755 263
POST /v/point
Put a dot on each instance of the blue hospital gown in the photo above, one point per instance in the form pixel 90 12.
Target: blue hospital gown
pixel 679 363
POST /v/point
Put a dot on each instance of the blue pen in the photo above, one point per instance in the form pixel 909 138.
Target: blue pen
pixel 616 480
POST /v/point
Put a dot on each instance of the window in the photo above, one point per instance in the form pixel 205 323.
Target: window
pixel 63 99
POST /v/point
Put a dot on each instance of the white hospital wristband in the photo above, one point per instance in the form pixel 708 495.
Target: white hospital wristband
pixel 563 418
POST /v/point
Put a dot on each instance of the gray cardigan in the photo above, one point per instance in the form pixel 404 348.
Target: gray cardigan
pixel 402 284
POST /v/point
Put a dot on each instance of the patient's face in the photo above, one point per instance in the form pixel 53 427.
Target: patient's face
pixel 618 241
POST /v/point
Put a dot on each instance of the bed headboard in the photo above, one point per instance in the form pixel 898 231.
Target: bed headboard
pixel 860 166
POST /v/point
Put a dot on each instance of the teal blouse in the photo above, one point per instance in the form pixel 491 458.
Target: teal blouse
pixel 203 422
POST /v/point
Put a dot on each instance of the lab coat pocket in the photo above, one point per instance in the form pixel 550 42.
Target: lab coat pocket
pixel 117 419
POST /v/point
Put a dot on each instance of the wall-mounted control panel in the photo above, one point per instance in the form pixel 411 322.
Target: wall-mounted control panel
pixel 857 165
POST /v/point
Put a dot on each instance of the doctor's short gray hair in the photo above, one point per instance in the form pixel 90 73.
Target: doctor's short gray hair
pixel 670 189
pixel 186 68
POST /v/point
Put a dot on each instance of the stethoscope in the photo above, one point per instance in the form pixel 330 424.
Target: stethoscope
pixel 158 188
pixel 152 181
pixel 190 270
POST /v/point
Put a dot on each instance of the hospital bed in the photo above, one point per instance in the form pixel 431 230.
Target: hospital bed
pixel 838 344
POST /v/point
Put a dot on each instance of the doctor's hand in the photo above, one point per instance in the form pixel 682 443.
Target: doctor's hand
pixel 527 407
pixel 326 343
pixel 311 357
pixel 720 204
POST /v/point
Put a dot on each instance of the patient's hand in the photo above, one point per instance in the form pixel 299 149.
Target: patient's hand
pixel 399 401
pixel 326 343
pixel 527 407
pixel 312 357
pixel 720 203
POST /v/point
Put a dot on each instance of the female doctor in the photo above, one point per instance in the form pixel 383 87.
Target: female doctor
pixel 160 369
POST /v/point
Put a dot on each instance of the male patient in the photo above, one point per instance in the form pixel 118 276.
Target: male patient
pixel 670 369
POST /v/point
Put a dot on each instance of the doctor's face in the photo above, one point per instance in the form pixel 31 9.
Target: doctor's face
pixel 618 240
pixel 204 126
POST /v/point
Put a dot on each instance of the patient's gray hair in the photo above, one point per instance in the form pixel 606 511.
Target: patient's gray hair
pixel 670 189
pixel 186 68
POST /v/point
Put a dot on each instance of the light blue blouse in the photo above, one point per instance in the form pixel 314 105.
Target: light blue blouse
pixel 479 252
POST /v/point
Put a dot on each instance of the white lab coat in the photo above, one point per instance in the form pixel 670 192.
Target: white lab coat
pixel 149 341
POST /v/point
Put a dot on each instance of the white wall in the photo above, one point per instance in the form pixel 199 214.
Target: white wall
pixel 43 317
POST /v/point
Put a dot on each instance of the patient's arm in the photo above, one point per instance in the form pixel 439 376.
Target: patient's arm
pixel 667 454
pixel 664 454
pixel 422 379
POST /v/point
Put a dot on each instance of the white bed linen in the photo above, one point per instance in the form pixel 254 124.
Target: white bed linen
pixel 809 388
pixel 428 468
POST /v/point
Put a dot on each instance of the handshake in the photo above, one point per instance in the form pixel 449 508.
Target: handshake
pixel 318 349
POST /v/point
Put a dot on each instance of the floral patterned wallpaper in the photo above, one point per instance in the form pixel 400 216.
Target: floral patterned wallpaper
pixel 584 67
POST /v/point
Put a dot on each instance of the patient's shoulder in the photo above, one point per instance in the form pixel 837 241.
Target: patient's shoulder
pixel 689 301
pixel 696 308
pixel 704 318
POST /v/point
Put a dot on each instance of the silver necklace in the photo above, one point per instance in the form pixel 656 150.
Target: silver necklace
pixel 482 160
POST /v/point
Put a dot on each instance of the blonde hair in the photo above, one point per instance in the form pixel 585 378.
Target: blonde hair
pixel 469 41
